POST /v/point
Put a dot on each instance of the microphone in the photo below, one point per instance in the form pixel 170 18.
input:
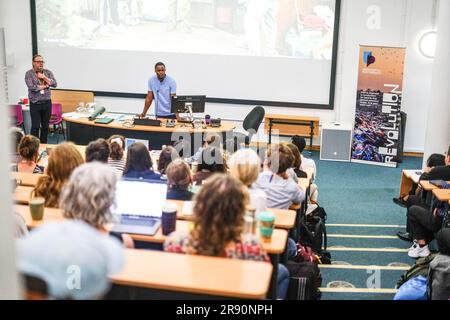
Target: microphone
pixel 97 111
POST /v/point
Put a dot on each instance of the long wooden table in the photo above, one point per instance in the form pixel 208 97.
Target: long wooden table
pixel 442 194
pixel 199 275
pixel 82 131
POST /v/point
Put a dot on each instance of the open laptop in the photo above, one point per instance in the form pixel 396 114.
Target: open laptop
pixel 138 206
pixel 130 141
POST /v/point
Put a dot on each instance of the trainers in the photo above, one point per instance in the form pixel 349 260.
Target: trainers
pixel 418 252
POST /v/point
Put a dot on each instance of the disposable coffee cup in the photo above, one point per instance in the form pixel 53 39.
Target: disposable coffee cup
pixel 194 167
pixel 37 208
pixel 169 218
pixel 266 221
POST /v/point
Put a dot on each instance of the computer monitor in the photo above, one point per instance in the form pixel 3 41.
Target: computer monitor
pixel 140 198
pixel 180 104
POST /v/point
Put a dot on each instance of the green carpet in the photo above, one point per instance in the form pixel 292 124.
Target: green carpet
pixel 362 194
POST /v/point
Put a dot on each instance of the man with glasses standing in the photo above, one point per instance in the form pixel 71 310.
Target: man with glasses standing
pixel 39 81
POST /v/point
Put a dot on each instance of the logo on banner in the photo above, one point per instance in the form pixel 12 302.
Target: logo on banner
pixel 369 58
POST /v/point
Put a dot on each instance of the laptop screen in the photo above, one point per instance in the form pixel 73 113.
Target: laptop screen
pixel 130 141
pixel 137 197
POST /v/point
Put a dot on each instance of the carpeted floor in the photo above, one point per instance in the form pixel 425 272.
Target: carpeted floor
pixel 362 194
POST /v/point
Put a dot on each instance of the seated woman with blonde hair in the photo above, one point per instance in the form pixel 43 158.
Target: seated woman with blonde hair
pixel 62 160
pixel 28 152
pixel 245 165
pixel 89 195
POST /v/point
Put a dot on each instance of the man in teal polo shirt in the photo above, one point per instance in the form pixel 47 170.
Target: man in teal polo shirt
pixel 161 88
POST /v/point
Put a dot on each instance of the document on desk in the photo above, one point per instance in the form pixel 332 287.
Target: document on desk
pixel 414 175
pixel 75 115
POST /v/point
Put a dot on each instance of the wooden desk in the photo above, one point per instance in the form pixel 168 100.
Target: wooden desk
pixel 284 219
pixel 81 149
pixel 442 194
pixel 408 178
pixel 82 131
pixel 26 179
pixel 292 125
pixel 195 274
pixel 276 246
pixel 427 186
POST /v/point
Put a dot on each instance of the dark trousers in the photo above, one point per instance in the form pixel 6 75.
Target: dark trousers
pixel 40 118
pixel 422 223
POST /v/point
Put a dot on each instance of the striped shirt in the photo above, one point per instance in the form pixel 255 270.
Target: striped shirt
pixel 119 165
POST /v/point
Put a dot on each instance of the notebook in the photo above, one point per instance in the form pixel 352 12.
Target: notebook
pixel 138 206
pixel 104 120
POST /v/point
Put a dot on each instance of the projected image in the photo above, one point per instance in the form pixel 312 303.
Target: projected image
pixel 272 28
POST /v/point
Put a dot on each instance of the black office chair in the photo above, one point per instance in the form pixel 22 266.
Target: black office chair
pixel 251 124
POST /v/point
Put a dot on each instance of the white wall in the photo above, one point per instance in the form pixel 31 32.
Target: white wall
pixel 402 22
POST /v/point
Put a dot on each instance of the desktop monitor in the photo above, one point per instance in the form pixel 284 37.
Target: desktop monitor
pixel 180 104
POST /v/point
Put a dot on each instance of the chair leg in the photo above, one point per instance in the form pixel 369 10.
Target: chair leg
pixel 62 130
pixel 23 128
pixel 56 133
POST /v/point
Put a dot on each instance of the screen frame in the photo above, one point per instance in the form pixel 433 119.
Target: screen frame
pixel 331 97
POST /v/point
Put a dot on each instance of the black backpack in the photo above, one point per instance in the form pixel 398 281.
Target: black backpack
pixel 421 268
pixel 304 282
pixel 313 233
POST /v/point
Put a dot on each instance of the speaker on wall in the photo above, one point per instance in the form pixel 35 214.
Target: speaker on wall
pixel 336 142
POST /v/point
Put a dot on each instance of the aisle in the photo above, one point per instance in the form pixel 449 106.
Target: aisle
pixel 368 258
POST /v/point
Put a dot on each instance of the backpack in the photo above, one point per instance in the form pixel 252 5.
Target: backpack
pixel 313 233
pixel 413 289
pixel 421 268
pixel 304 282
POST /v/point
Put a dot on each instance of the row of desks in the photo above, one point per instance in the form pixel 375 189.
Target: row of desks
pixel 410 177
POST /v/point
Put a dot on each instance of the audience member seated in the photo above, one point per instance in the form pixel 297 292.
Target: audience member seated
pixel 98 150
pixel 422 224
pixel 56 253
pixel 63 159
pixel 16 135
pixel 139 163
pixel 435 160
pixel 211 161
pixel 117 158
pixel 431 173
pixel 306 163
pixel 439 276
pixel 29 153
pixel 168 154
pixel 20 230
pixel 179 179
pixel 218 225
pixel 212 139
pixel 281 191
pixel 89 195
pixel 245 165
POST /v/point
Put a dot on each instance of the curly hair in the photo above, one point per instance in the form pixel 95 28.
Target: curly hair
pixel 89 194
pixel 63 159
pixel 218 214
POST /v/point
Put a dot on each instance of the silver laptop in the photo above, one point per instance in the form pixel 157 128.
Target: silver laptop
pixel 138 206
pixel 130 141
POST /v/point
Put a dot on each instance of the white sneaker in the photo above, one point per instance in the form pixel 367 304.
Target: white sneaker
pixel 417 252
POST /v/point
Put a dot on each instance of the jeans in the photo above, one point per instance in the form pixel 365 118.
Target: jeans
pixel 282 281
pixel 40 118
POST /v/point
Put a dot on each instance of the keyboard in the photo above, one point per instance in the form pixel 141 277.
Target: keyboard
pixel 138 221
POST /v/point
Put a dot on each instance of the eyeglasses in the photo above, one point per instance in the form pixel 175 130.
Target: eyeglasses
pixel 39 61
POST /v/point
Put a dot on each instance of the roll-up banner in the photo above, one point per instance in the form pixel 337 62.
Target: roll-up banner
pixel 376 138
